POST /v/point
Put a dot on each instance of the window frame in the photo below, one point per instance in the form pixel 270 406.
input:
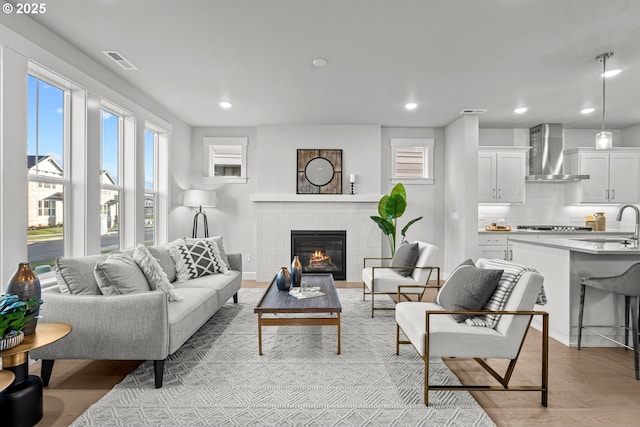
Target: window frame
pixel 209 142
pixel 119 186
pixel 154 192
pixel 66 87
pixel 428 144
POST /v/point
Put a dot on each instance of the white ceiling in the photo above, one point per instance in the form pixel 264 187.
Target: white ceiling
pixel 445 55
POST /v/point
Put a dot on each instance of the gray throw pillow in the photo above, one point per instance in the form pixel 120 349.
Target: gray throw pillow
pixel 161 253
pixel 156 277
pixel 119 274
pixel 75 275
pixel 468 288
pixel 406 256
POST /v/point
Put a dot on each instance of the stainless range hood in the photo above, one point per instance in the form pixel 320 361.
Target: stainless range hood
pixel 545 156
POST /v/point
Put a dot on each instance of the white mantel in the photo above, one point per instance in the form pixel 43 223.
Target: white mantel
pixel 278 214
pixel 340 198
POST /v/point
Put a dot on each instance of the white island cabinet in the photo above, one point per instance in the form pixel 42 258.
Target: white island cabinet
pixel 563 262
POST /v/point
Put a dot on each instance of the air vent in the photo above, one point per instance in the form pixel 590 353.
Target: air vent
pixel 473 111
pixel 119 59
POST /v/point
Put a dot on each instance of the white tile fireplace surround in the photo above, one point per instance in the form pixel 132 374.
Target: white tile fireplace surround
pixel 277 215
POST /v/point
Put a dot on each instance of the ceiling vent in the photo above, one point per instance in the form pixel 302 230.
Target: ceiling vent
pixel 473 111
pixel 120 60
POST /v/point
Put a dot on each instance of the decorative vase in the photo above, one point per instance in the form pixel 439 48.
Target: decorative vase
pixel 296 271
pixel 283 279
pixel 11 341
pixel 26 285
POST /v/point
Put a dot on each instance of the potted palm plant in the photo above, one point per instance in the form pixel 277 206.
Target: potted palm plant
pixel 391 207
pixel 14 314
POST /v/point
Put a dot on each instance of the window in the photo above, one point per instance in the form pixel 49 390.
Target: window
pixel 110 180
pixel 150 186
pixel 225 159
pixel 412 160
pixel 47 135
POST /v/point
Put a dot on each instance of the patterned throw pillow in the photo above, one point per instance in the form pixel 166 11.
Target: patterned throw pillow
pixel 194 260
pixel 219 241
pixel 156 277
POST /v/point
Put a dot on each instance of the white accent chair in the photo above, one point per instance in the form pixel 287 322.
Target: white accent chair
pixel 385 280
pixel 434 333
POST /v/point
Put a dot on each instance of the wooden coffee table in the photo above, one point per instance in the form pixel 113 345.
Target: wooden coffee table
pixel 280 302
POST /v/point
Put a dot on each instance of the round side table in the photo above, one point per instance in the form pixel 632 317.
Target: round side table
pixel 6 378
pixel 21 402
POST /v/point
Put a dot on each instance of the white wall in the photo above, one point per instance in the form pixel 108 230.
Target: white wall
pixel 234 216
pixel 631 136
pixel 461 191
pixel 277 154
pixel 423 200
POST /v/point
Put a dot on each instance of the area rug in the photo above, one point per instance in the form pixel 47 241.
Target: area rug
pixel 217 378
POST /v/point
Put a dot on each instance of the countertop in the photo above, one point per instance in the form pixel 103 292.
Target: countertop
pixel 578 244
pixel 595 233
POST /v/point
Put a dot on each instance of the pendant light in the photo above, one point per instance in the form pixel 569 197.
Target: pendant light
pixel 604 139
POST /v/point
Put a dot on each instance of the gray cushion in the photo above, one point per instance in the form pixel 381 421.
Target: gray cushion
pixel 75 275
pixel 468 288
pixel 156 277
pixel 406 256
pixel 119 274
pixel 161 253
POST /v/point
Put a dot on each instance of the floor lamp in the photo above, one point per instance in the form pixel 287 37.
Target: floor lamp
pixel 198 199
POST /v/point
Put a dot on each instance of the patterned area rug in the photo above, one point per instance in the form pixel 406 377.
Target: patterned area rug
pixel 217 378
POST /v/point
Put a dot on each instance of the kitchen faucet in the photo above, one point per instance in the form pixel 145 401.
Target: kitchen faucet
pixel 636 236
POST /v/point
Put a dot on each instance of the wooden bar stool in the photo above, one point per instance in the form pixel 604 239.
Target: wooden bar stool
pixel 627 284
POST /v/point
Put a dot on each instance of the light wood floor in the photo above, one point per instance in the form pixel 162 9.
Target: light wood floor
pixel 590 387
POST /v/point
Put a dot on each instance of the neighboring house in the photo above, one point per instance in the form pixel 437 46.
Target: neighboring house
pixel 45 201
pixel 109 204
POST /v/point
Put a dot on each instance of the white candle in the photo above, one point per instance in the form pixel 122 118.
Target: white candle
pixel 352 178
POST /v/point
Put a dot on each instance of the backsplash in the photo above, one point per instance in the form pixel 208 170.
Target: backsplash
pixel 545 205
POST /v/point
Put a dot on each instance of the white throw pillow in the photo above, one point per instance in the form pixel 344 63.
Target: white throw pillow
pixel 156 277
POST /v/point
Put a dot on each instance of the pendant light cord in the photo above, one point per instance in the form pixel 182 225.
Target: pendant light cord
pixel 604 70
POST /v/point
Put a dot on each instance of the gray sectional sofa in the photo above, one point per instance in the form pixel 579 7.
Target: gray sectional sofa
pixel 134 326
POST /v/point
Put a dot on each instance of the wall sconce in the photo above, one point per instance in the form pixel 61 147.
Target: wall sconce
pixel 200 198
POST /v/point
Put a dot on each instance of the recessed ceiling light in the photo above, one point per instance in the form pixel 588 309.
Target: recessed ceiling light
pixel 587 110
pixel 410 106
pixel 319 62
pixel 520 110
pixel 612 72
pixel 225 104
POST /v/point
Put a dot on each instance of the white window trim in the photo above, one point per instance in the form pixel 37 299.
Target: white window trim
pixel 208 143
pixel 428 144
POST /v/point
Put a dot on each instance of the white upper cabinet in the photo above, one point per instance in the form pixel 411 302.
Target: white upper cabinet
pixel 614 175
pixel 501 174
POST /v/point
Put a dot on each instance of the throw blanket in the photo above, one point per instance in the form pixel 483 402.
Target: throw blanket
pixel 511 275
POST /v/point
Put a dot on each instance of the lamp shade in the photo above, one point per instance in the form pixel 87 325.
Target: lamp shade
pixel 197 198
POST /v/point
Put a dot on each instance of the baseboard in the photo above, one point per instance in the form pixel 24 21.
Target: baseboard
pixel 248 275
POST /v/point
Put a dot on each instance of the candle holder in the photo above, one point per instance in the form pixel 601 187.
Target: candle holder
pixel 351 188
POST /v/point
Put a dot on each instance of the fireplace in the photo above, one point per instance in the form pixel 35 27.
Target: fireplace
pixel 321 251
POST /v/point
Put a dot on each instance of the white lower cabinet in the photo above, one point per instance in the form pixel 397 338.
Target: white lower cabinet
pixel 494 246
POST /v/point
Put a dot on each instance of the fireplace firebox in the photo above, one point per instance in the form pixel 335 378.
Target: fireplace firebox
pixel 321 251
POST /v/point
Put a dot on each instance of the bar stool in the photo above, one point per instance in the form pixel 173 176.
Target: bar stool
pixel 627 284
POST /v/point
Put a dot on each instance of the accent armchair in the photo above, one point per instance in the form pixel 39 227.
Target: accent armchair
pixel 385 280
pixel 433 332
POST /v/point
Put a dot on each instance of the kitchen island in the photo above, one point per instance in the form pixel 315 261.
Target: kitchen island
pixel 563 262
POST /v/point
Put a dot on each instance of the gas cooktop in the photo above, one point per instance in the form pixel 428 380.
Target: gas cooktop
pixel 568 228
